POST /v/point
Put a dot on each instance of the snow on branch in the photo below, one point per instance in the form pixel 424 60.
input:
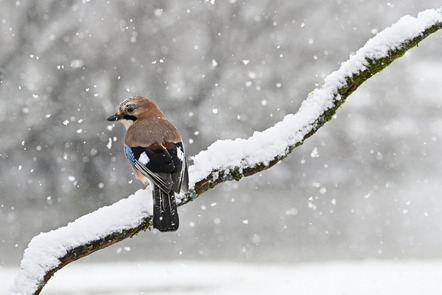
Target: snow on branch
pixel 224 160
pixel 233 159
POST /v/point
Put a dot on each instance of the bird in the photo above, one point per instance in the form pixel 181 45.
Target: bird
pixel 156 152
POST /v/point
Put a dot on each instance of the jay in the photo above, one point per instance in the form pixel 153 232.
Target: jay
pixel 155 150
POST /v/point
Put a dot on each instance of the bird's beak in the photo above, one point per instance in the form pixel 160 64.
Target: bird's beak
pixel 114 118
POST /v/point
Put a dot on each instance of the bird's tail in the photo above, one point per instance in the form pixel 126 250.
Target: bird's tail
pixel 165 213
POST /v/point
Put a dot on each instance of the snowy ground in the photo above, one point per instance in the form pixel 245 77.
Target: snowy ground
pixel 369 277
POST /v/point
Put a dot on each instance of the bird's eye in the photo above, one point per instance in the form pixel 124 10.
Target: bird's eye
pixel 130 109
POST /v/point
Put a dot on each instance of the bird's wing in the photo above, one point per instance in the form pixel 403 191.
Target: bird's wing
pixel 157 165
pixel 180 177
pixel 162 180
pixel 166 168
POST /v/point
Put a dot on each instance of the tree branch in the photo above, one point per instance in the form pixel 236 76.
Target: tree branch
pixel 224 160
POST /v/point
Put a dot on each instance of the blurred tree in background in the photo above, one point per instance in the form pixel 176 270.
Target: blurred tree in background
pixel 365 186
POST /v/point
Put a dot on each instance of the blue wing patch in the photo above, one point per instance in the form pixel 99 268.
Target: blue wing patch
pixel 129 154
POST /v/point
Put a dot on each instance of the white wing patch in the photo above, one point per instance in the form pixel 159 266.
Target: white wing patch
pixel 180 154
pixel 144 159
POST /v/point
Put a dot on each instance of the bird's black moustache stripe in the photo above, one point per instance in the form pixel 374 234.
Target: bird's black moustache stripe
pixel 130 117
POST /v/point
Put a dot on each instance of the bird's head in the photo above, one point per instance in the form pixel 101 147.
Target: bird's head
pixel 134 108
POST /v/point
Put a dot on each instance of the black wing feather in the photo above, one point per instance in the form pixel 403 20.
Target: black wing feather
pixel 163 180
pixel 167 170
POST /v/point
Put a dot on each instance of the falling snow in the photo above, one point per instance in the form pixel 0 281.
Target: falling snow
pixel 43 106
